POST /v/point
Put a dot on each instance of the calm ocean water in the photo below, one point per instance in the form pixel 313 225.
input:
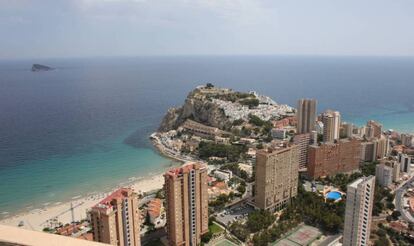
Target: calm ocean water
pixel 62 132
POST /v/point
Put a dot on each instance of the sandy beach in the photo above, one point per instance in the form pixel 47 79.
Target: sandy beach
pixel 37 219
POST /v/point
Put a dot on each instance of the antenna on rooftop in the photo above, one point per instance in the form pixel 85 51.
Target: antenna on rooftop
pixel 72 211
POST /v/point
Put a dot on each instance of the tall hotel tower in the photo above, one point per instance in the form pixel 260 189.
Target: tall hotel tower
pixel 331 125
pixel 187 204
pixel 115 220
pixel 359 201
pixel 306 116
pixel 276 177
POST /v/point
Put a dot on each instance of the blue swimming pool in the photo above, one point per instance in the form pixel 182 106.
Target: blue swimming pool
pixel 333 195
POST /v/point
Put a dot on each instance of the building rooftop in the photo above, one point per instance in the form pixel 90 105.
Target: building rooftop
pixel 360 180
pixel 276 149
pixel 186 168
pixel 220 185
pixel 118 194
pixel 154 207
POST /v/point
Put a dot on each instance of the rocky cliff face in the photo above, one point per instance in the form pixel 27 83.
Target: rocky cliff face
pixel 196 107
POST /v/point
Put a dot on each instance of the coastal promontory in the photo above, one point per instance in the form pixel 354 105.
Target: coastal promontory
pixel 220 107
pixel 211 118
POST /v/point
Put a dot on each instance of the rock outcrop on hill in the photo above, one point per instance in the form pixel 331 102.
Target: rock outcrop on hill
pixel 220 107
pixel 197 107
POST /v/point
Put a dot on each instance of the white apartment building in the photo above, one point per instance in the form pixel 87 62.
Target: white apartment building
pixel 383 175
pixel 358 213
pixel 407 139
pixel 405 162
pixel 224 175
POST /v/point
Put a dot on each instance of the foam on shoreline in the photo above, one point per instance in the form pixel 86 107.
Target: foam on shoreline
pixel 38 218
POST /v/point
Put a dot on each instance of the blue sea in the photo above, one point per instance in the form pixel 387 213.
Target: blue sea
pixel 84 127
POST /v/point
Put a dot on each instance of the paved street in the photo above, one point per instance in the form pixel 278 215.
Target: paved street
pixel 399 205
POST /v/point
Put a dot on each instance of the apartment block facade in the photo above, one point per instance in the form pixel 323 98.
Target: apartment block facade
pixel 331 125
pixel 187 204
pixel 358 212
pixel 328 159
pixel 302 141
pixel 276 177
pixel 374 129
pixel 405 162
pixel 116 219
pixel 383 175
pixel 306 116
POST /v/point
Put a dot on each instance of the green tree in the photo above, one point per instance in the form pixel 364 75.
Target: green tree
pixel 368 168
pixel 396 214
pixel 209 149
pixel 250 102
pixel 259 219
pixel 241 189
pixel 239 230
pixel 255 120
pixel 382 241
pixel 206 237
pixel 238 122
pixel 160 194
pixel 261 239
pixel 390 205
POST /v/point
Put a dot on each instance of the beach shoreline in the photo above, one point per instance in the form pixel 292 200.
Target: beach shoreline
pixel 39 218
pixel 166 152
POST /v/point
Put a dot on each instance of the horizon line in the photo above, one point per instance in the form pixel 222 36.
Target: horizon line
pixel 207 55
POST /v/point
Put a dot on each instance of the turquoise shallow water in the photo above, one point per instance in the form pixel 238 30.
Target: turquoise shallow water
pixel 61 178
pixel 394 116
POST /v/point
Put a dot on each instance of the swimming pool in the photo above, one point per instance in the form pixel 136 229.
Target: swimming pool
pixel 333 195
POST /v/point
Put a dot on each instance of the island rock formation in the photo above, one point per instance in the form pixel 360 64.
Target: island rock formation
pixel 39 67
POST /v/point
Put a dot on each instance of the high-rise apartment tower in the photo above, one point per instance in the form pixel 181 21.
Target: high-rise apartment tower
pixel 115 220
pixel 306 115
pixel 276 177
pixel 187 204
pixel 358 212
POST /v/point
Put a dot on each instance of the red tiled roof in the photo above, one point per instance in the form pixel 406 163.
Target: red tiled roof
pixel 154 212
pixel 154 207
pixel 118 194
pixel 183 169
pixel 220 185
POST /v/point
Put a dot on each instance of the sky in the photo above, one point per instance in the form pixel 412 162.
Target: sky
pixel 94 28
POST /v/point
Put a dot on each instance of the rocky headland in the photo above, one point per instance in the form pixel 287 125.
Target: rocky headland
pixel 220 107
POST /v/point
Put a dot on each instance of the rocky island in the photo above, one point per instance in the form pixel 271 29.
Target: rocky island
pixel 220 115
pixel 39 67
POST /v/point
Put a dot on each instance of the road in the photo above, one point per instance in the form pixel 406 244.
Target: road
pixel 399 195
